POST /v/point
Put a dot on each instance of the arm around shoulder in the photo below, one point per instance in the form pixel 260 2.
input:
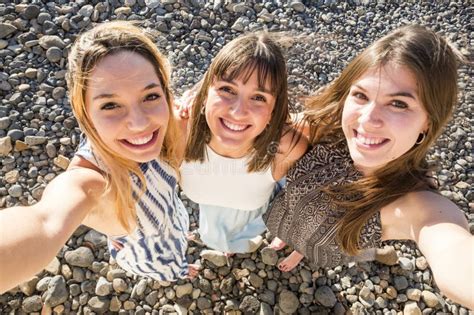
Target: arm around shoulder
pixel 32 236
pixel 441 232
pixel 292 147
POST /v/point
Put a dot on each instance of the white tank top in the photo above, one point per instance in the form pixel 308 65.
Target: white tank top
pixel 225 182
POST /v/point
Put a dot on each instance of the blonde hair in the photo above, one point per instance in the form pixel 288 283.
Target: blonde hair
pixel 259 52
pixel 88 50
pixel 433 62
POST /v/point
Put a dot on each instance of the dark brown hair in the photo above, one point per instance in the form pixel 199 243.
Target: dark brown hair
pixel 242 56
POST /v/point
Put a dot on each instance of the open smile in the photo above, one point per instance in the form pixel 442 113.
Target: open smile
pixel 233 126
pixel 369 142
pixel 141 143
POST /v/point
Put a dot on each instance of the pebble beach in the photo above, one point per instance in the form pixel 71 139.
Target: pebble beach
pixel 39 135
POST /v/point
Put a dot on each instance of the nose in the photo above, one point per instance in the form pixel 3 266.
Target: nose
pixel 137 118
pixel 239 107
pixel 371 115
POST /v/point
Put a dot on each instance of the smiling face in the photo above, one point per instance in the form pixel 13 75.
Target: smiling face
pixel 382 116
pixel 236 113
pixel 127 106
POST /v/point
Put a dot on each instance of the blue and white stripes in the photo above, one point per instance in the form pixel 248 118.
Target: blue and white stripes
pixel 157 247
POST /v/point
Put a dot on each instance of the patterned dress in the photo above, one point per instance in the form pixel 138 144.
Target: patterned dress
pixel 306 218
pixel 157 246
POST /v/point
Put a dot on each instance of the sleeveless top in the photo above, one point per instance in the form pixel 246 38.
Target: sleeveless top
pixel 225 182
pixel 306 218
pixel 157 246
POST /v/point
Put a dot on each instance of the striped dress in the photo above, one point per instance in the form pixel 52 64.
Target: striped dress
pixel 157 246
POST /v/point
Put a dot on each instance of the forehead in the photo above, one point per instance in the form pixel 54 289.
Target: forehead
pixel 252 74
pixel 389 76
pixel 121 69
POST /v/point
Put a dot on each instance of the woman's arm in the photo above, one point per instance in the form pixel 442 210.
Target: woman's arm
pixel 292 146
pixel 441 232
pixel 31 236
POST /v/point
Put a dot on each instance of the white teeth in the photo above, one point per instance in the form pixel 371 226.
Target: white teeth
pixel 234 126
pixel 369 141
pixel 139 141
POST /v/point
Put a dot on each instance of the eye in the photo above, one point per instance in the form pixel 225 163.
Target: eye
pixel 399 104
pixel 227 90
pixel 152 97
pixel 109 106
pixel 260 98
pixel 361 96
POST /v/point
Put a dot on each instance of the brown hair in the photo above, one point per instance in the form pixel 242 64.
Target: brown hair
pixel 88 50
pixel 433 62
pixel 259 52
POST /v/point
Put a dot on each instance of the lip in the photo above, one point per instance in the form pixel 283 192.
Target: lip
pixel 223 124
pixel 144 146
pixel 378 142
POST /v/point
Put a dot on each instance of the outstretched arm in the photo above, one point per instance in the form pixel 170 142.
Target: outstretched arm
pixel 31 236
pixel 441 232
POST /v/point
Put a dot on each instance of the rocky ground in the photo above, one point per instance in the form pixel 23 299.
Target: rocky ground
pixel 38 136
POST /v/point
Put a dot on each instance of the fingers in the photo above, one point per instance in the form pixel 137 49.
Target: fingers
pixel 117 245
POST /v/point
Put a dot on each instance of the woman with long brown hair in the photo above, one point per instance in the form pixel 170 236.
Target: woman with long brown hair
pixel 365 179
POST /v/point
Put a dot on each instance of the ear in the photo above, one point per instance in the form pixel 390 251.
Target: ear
pixel 426 126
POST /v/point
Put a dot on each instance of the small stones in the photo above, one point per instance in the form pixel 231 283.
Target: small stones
pixel 12 176
pixel 49 41
pixel 103 287
pixel 185 289
pixel 57 292
pixel 430 299
pixel 216 257
pixel 249 305
pixel 325 296
pixel 119 285
pixel 35 140
pixel 414 294
pixel 36 115
pixel 61 161
pixel 386 255
pixel 6 29
pixel 15 191
pixel 99 304
pixel 5 145
pixel 269 256
pixel 400 283
pixel 288 302
pixel 80 257
pixel 32 304
pixel 411 308
pixel 4 122
pixel 54 54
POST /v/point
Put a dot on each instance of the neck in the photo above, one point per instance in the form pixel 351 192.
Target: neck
pixel 234 153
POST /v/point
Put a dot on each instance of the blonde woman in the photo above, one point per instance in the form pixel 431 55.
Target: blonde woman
pixel 122 181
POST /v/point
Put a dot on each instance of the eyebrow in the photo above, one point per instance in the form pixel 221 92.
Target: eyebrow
pixel 403 94
pixel 111 95
pixel 259 89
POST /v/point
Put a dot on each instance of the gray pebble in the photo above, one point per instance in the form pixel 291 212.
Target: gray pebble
pixel 57 292
pixel 80 257
pixel 325 296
